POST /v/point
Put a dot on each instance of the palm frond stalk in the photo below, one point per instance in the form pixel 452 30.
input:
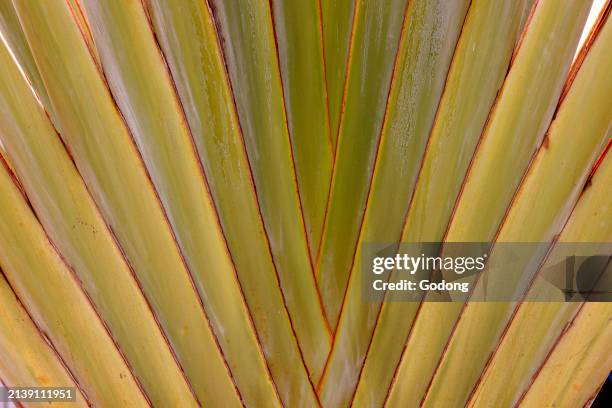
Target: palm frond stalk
pixel 188 189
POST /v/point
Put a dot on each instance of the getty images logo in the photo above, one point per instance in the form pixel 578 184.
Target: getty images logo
pixel 476 272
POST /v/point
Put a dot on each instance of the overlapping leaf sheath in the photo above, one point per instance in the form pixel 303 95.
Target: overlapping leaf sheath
pixel 541 207
pixel 13 35
pixel 374 48
pixel 78 15
pixel 591 221
pixel 297 28
pixel 59 307
pixel 518 129
pixel 169 152
pixel 106 157
pixel 246 33
pixel 191 192
pixel 25 357
pixel 573 372
pixel 480 62
pixel 515 128
pixel 189 41
pixel 337 22
pixel 70 217
pixel 429 36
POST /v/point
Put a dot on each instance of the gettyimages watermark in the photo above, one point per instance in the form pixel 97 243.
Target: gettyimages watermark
pixel 482 272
